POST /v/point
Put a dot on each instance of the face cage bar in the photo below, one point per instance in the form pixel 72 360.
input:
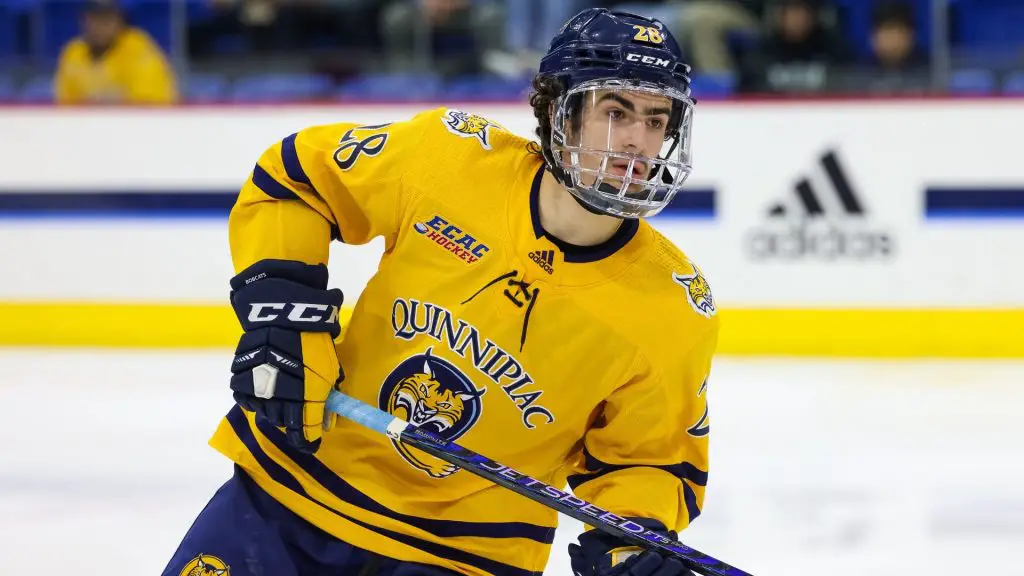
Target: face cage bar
pixel 657 190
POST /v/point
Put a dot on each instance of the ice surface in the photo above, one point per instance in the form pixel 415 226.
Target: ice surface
pixel 818 468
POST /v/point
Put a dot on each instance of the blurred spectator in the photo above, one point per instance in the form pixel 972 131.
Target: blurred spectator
pixel 893 39
pixel 255 22
pixel 530 25
pixel 113 63
pixel 668 11
pixel 286 26
pixel 703 26
pixel 798 52
pixel 448 37
pixel 708 25
pixel 896 65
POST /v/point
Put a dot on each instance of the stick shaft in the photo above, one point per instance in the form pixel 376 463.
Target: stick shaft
pixel 535 490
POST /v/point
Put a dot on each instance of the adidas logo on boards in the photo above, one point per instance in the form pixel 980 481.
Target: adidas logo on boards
pixel 829 226
pixel 545 259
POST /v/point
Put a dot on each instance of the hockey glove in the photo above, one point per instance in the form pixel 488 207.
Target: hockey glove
pixel 601 554
pixel 285 364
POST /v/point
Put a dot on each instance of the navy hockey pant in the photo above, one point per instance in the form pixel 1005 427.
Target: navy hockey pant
pixel 244 532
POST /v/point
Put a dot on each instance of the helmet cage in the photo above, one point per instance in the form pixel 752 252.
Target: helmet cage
pixel 633 197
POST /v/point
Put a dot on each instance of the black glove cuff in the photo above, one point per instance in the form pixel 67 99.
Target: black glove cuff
pixel 275 293
pixel 312 275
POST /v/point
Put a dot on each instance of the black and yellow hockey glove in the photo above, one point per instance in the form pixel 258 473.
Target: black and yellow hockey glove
pixel 285 364
pixel 601 554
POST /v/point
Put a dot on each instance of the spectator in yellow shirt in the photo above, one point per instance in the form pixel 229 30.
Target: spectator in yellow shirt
pixel 113 63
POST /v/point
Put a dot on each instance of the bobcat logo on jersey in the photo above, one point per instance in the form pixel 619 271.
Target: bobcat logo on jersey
pixel 698 292
pixel 206 565
pixel 431 393
pixel 470 126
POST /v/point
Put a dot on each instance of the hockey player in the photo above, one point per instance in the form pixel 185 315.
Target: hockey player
pixel 522 306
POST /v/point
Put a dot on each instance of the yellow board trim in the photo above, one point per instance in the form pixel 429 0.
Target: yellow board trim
pixel 875 333
pixel 872 333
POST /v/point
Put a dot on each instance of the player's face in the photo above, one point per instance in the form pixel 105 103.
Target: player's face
pixel 609 138
pixel 624 121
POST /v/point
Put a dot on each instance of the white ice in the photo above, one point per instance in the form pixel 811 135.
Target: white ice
pixel 818 468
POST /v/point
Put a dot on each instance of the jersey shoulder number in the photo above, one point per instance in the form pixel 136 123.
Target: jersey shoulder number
pixel 359 141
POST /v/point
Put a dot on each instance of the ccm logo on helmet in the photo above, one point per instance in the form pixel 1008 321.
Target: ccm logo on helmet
pixel 297 312
pixel 652 60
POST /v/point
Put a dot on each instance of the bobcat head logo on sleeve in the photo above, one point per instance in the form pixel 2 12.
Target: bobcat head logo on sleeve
pixel 206 565
pixel 431 393
pixel 698 292
pixel 470 126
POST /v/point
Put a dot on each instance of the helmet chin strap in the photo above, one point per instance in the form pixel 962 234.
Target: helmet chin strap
pixel 590 208
pixel 563 178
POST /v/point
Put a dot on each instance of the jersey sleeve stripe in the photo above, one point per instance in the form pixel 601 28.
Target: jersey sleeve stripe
pixel 292 166
pixel 240 426
pixel 690 497
pixel 441 528
pixel 596 468
pixel 271 187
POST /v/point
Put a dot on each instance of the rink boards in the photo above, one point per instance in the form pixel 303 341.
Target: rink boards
pixel 844 228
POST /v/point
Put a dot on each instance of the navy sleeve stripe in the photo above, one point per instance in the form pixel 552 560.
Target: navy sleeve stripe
pixel 692 509
pixel 442 528
pixel 271 187
pixel 240 425
pixel 596 468
pixel 292 166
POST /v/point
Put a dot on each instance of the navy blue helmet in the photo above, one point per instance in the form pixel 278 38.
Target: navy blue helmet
pixel 601 58
pixel 597 43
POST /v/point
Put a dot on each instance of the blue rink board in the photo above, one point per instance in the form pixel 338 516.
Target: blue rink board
pixel 695 203
pixel 974 202
pixel 939 203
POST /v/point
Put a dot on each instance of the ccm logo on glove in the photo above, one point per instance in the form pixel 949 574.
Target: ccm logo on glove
pixel 286 363
pixel 297 312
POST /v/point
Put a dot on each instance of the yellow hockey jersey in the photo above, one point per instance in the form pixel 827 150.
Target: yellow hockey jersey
pixel 578 366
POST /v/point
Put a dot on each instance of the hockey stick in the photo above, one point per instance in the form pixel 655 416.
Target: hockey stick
pixel 535 490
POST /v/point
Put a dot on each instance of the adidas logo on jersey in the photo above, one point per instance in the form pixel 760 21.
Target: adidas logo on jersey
pixel 545 259
pixel 828 226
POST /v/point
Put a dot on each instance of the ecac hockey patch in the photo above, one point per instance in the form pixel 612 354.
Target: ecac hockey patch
pixel 452 238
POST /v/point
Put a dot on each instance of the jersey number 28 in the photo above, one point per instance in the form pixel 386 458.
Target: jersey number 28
pixel 353 146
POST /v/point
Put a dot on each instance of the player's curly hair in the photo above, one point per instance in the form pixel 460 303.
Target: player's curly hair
pixel 544 90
